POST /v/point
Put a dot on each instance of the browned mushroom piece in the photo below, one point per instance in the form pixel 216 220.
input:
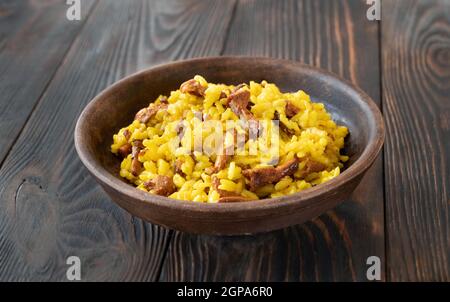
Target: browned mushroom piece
pixel 282 126
pixel 136 165
pixel 177 168
pixel 127 134
pixel 238 101
pixel 227 196
pixel 253 127
pixel 193 87
pixel 291 110
pixel 161 185
pixel 221 162
pixel 259 177
pixel 222 193
pixel 242 85
pixel 125 150
pixel 145 114
pixel 222 159
pixel 312 166
pixel 216 183
pixel 223 95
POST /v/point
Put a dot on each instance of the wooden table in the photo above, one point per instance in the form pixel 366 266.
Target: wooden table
pixel 50 208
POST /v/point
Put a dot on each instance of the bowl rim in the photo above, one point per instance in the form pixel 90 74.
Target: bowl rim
pixel 299 199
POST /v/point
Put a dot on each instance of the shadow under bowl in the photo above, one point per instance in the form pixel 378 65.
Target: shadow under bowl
pixel 116 106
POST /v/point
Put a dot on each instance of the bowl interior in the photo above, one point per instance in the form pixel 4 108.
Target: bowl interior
pixel 116 106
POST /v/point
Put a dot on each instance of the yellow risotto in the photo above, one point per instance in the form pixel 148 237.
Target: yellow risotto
pixel 214 143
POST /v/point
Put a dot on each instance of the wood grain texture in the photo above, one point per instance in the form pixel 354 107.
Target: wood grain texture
pixel 416 89
pixel 49 207
pixel 334 35
pixel 34 38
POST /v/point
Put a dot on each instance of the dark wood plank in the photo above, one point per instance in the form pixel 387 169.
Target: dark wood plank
pixel 49 207
pixel 416 89
pixel 334 35
pixel 34 38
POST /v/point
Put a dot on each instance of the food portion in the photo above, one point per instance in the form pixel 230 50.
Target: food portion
pixel 221 143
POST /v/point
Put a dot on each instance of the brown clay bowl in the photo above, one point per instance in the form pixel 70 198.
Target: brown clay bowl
pixel 115 107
